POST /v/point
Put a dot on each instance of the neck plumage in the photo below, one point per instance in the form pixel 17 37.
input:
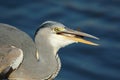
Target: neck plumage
pixel 48 57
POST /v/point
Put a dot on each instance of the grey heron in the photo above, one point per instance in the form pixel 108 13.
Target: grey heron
pixel 24 59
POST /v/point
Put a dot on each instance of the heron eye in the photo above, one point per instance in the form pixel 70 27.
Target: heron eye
pixel 57 29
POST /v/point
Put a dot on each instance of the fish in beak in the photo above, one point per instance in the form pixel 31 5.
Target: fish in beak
pixel 77 36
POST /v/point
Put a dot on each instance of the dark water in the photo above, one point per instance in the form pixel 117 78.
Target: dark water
pixel 97 17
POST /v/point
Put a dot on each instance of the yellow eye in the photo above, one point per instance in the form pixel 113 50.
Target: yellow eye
pixel 57 29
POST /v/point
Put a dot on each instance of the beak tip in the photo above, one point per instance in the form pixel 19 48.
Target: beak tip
pixel 95 44
pixel 97 38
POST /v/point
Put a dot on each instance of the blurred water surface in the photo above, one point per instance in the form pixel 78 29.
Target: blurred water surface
pixel 97 17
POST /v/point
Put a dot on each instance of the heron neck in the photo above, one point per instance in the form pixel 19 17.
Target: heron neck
pixel 45 51
pixel 49 62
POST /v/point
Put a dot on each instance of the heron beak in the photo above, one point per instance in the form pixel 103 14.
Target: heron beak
pixel 77 36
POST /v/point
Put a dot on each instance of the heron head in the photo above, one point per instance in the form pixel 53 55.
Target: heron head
pixel 59 36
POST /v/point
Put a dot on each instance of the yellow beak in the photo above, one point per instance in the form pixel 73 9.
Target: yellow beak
pixel 77 36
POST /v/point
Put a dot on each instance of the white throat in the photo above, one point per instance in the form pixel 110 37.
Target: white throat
pixel 58 41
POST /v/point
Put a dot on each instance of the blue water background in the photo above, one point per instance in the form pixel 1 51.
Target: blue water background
pixel 97 17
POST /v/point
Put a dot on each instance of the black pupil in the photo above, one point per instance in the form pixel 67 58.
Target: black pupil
pixel 56 29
